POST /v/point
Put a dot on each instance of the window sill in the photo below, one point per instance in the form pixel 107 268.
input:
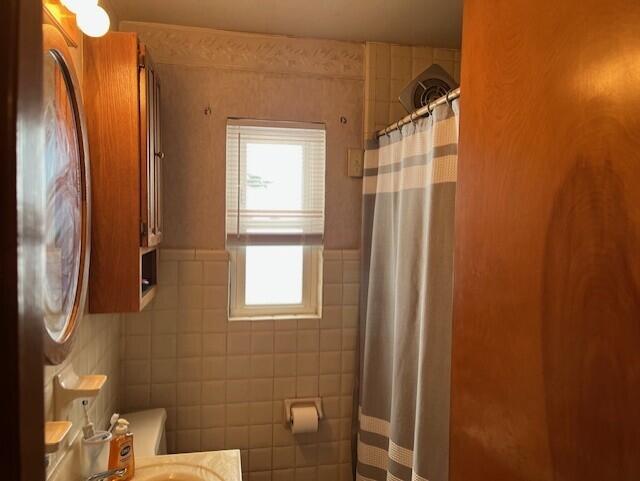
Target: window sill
pixel 279 317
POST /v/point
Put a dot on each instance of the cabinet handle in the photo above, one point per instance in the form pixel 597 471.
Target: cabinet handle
pixel 160 155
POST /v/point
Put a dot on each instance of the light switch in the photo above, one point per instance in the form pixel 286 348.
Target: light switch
pixel 355 162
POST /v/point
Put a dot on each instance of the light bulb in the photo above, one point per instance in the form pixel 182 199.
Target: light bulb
pixel 74 6
pixel 93 21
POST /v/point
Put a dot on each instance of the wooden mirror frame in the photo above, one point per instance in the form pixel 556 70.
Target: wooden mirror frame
pixel 56 351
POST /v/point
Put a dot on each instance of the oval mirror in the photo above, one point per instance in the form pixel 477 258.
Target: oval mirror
pixel 67 218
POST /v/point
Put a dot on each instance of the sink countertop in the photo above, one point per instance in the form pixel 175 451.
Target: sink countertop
pixel 225 464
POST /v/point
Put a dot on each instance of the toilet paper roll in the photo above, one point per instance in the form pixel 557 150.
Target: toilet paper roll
pixel 304 419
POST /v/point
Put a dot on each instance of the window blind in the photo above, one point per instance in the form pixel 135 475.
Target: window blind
pixel 275 183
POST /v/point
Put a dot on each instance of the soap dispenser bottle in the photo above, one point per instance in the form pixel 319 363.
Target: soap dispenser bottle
pixel 121 451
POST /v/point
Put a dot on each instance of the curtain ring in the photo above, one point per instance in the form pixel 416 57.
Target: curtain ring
pixel 399 128
pixel 413 122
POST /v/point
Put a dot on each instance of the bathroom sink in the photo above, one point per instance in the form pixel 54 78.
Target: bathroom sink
pixel 205 466
pixel 175 472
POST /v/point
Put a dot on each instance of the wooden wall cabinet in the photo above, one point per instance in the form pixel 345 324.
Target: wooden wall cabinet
pixel 122 97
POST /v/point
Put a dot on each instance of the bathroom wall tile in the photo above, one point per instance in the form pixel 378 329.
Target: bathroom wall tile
pixel 285 342
pixel 166 297
pixel 188 441
pixel 239 343
pixel 190 297
pixel 164 321
pixel 177 254
pixel 216 273
pixel 189 321
pixel 285 364
pixel 137 347
pixel 260 476
pixel 285 324
pixel 331 407
pixel 214 392
pixel 238 414
pixel 350 316
pixel 260 413
pixel 331 317
pixel 237 391
pixel 330 362
pixel 261 436
pixel 262 342
pixel 260 459
pixel 351 293
pixel 215 297
pixel 163 346
pixel 137 372
pixel 164 370
pixel 330 339
pixel 188 417
pixel 283 474
pixel 262 366
pixel 168 273
pixel 284 457
pixel 284 387
pixel 214 417
pixel 214 320
pixel 211 255
pixel 307 364
pixel 307 386
pixel 189 345
pixel 190 273
pixel 282 435
pixel 212 439
pixel 332 271
pixel 238 367
pixel 261 389
pixel 189 394
pixel 308 340
pixel 237 437
pixel 214 344
pixel 163 395
pixel 329 384
pixel 349 339
pixel 214 368
pixel 349 359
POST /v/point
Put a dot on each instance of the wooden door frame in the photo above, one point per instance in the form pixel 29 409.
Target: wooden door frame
pixel 21 206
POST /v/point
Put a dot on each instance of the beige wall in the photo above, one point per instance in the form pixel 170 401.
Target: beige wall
pixel 254 76
pixel 223 383
pixel 389 69
pixel 96 351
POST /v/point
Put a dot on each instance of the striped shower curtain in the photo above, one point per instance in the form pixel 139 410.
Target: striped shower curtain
pixel 406 301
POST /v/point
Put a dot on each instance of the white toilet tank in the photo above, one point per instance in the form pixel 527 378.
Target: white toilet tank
pixel 148 428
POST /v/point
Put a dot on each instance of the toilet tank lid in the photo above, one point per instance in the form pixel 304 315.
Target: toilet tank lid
pixel 147 428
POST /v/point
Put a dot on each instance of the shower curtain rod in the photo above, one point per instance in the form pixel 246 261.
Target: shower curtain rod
pixel 421 112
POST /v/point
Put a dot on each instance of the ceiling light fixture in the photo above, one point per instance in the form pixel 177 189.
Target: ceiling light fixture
pixel 91 18
pixel 74 6
pixel 93 21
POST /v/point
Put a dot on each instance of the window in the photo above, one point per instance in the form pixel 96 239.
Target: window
pixel 275 218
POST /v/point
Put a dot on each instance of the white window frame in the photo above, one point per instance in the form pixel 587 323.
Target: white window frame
pixel 311 305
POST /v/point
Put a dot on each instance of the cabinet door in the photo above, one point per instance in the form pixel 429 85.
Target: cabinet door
pixel 158 161
pixel 148 162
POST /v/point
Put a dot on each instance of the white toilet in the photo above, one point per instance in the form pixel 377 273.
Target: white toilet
pixel 148 428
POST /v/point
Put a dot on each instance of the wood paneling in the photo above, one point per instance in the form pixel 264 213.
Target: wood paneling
pixel 21 242
pixel 546 346
pixel 111 102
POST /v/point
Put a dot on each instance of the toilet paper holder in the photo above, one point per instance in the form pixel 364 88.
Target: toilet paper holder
pixel 289 403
